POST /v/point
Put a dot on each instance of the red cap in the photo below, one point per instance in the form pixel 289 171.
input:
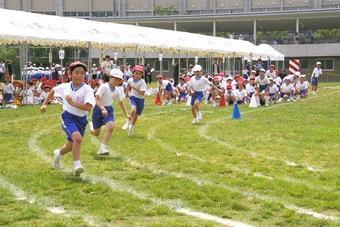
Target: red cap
pixel 221 74
pixel 138 68
pixel 216 78
pixel 77 63
pixel 159 76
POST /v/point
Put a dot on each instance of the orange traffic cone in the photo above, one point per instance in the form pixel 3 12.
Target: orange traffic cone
pixel 158 99
pixel 222 101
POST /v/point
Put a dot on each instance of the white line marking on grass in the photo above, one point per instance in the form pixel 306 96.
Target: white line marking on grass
pixel 203 182
pixel 312 213
pixel 290 163
pixel 263 176
pixel 174 205
pixel 47 204
pixel 205 216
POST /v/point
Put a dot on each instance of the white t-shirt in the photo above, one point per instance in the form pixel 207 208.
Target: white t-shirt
pixel 181 88
pixel 107 66
pixel 302 86
pixel 273 89
pixel 108 94
pixel 250 88
pixel 270 74
pixel 199 84
pixel 263 81
pixel 278 80
pixel 316 72
pixel 2 67
pixel 164 84
pixel 140 84
pixel 232 93
pixel 9 88
pixel 83 94
pixel 241 94
pixel 287 88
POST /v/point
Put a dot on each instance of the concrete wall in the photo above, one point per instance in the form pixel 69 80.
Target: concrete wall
pixel 13 4
pixel 309 50
pixel 43 5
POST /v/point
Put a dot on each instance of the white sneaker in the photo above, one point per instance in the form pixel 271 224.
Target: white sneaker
pixel 126 125
pixel 78 170
pixel 288 100
pixel 103 151
pixel 293 99
pixel 91 126
pixel 194 121
pixel 266 105
pixel 280 100
pixel 130 130
pixel 313 92
pixel 56 160
pixel 199 115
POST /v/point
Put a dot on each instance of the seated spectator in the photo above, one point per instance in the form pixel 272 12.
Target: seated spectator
pixel 286 90
pixel 273 90
pixel 301 87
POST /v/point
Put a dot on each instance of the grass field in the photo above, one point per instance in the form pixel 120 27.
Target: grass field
pixel 277 166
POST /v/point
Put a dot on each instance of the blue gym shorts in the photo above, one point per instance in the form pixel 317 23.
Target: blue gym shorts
pixel 139 103
pixel 197 95
pixel 98 120
pixel 72 123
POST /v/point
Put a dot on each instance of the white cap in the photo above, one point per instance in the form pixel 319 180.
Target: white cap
pixel 116 73
pixel 229 78
pixel 297 73
pixel 197 68
pixel 57 66
pixel 287 77
pixel 253 71
pixel 263 70
pixel 271 78
pixel 302 76
pixel 318 63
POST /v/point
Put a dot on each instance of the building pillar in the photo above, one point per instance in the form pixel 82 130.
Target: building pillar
pixel 175 26
pixel 254 31
pixel 152 2
pixel 59 6
pixel 247 5
pixel 214 6
pixel 90 8
pixel 122 8
pixel 2 4
pixel 297 27
pixel 214 28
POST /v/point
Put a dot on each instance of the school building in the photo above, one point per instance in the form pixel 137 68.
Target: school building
pixel 295 28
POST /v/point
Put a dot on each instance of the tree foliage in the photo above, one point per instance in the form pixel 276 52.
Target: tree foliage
pixel 163 10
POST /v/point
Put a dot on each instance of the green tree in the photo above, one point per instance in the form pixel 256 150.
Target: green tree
pixel 162 10
pixel 327 33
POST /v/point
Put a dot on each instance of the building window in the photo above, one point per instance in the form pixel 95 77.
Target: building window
pixel 166 64
pixel 327 64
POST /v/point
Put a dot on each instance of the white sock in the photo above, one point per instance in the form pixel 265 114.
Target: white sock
pixel 76 163
pixel 58 155
pixel 103 146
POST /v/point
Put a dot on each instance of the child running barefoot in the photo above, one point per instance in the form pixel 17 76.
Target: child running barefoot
pixel 197 85
pixel 103 111
pixel 137 86
pixel 78 99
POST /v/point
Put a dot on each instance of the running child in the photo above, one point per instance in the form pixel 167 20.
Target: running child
pixel 78 100
pixel 103 111
pixel 197 86
pixel 137 87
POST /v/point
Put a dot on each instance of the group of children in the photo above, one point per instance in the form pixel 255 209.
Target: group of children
pixel 257 89
pixel 78 99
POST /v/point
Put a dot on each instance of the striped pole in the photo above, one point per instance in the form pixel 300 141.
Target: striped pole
pixel 294 66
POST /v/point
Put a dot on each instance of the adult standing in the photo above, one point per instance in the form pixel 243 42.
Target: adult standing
pixel 106 67
pixel 176 74
pixel 315 77
pixel 148 74
pixel 2 70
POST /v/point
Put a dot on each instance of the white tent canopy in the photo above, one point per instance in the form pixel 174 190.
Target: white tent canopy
pixel 36 29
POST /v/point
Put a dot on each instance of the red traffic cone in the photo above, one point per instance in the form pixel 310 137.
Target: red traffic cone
pixel 222 101
pixel 158 99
